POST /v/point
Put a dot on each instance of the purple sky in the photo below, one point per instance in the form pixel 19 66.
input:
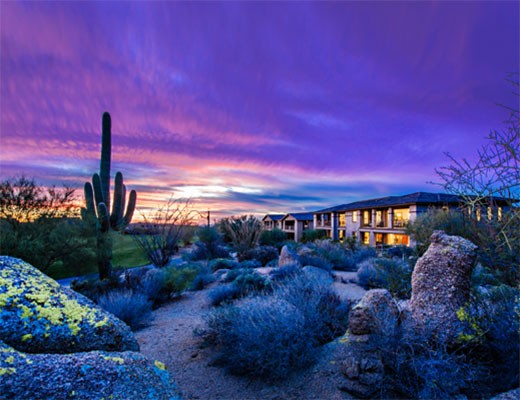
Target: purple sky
pixel 253 107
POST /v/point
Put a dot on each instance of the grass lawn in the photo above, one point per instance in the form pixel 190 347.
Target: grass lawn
pixel 125 254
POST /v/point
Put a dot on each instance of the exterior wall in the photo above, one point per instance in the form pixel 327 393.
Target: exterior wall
pixel 295 228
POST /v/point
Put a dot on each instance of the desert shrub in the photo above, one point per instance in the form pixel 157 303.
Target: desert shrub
pixel 250 264
pixel 326 316
pixel 350 259
pixel 263 254
pixel 310 235
pixel 223 263
pixel 285 272
pixel 250 282
pixel 132 308
pixel 482 276
pixel 179 279
pixel 243 232
pixel 367 274
pixel 201 251
pixel 223 294
pixel 399 252
pixel 275 237
pixel 202 280
pixel 490 330
pixel 271 337
pixel 153 286
pixel 95 288
pixel 209 245
pixel 419 363
pixel 315 261
pixel 279 332
pixel 391 274
pixel 234 273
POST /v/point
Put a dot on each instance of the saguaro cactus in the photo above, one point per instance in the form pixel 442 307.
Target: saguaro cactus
pixel 97 199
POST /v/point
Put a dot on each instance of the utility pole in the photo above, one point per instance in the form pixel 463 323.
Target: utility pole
pixel 208 218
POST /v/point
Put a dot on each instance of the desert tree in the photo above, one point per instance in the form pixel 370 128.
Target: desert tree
pixel 494 176
pixel 161 230
pixel 243 232
pixel 41 225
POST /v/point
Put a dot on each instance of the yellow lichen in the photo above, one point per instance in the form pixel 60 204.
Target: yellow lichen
pixel 27 337
pixel 9 360
pixel 7 371
pixel 118 360
pixel 160 365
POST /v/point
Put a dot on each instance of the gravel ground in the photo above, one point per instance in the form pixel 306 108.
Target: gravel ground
pixel 170 338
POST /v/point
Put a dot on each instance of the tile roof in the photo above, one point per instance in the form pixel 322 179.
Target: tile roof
pixel 413 198
pixel 274 217
pixel 301 216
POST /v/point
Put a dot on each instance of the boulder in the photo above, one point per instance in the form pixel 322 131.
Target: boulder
pixel 441 283
pixel 37 315
pixel 364 372
pixel 377 311
pixel 287 257
pixel 93 375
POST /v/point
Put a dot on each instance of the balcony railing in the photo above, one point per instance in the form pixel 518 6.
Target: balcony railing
pixel 400 223
pixel 325 224
pixel 289 228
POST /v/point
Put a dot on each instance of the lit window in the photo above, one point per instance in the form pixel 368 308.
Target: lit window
pixel 354 216
pixel 490 213
pixel 500 213
pixel 478 214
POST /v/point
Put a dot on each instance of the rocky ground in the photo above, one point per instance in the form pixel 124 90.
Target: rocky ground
pixel 171 339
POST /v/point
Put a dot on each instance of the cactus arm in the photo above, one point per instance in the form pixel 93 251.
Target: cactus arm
pixel 123 204
pixel 106 150
pixel 130 208
pixel 115 216
pixel 103 217
pixel 89 199
pixel 98 193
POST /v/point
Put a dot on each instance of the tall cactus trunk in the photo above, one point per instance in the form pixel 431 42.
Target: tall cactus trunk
pixel 106 152
pixel 97 198
pixel 104 254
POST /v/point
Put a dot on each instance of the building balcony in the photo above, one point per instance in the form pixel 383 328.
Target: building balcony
pixel 401 223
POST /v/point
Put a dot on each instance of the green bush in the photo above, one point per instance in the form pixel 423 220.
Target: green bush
pixel 179 279
pixel 262 254
pixel 310 235
pixel 223 263
pixel 391 274
pixel 275 237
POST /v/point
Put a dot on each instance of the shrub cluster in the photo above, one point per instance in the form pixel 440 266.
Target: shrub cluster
pixel 278 332
pixel 241 282
pixel 392 274
pixel 262 254
pixel 156 285
pixel 420 363
pixel 275 237
pixel 133 308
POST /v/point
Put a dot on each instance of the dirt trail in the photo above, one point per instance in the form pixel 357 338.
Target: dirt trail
pixel 170 339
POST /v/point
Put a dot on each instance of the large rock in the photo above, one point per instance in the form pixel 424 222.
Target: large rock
pixel 441 283
pixel 93 375
pixel 287 257
pixel 37 315
pixel 377 312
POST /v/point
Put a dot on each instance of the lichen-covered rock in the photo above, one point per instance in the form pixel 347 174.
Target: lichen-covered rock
pixel 93 375
pixel 441 283
pixel 37 315
pixel 376 311
pixel 287 257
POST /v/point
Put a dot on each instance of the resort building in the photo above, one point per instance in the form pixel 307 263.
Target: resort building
pixel 294 224
pixel 381 221
pixel 272 221
pixel 378 222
